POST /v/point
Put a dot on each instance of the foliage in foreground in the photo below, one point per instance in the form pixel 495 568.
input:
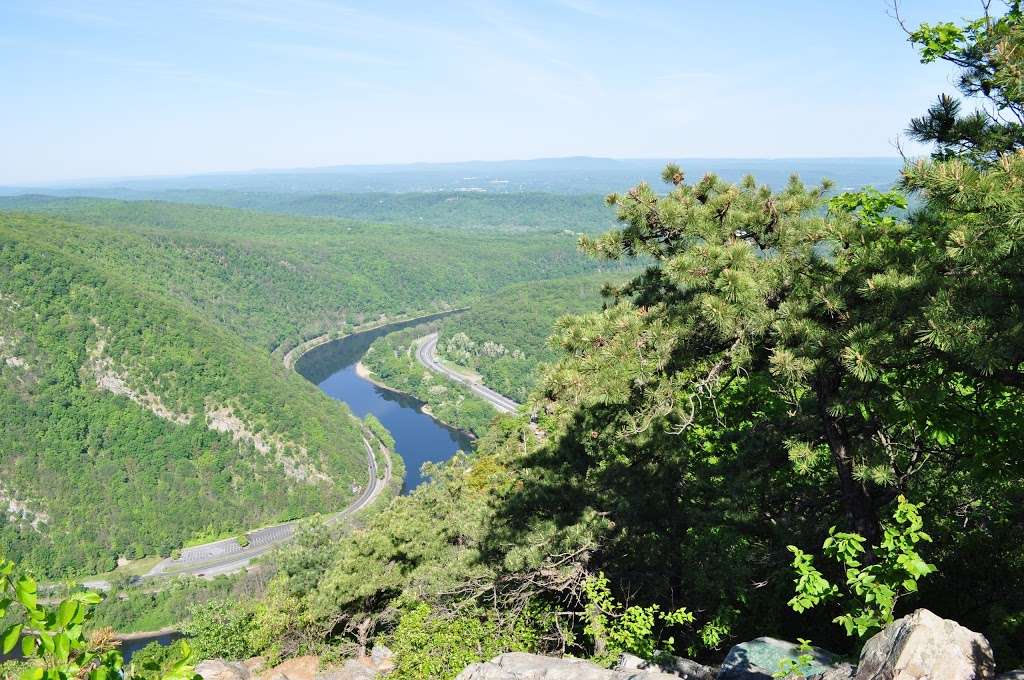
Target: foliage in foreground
pixel 876 576
pixel 53 640
pixel 433 645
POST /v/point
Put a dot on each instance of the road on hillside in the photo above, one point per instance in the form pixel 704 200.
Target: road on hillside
pixel 426 354
pixel 227 556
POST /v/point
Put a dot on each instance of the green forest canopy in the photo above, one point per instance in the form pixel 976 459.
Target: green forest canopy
pixel 276 279
pixel 109 392
pixel 186 302
pixel 788 362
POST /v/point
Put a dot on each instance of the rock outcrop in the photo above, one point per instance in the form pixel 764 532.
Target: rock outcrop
pixel 353 669
pixel 522 666
pixel 219 669
pixel 298 668
pixel 674 666
pixel 379 662
pixel 923 646
pixel 843 671
pixel 759 659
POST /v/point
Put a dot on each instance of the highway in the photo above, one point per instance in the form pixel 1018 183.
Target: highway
pixel 426 354
pixel 227 556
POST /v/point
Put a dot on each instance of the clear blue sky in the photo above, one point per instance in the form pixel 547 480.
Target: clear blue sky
pixel 117 88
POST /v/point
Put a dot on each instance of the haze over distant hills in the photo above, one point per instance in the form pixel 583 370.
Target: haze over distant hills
pixel 575 175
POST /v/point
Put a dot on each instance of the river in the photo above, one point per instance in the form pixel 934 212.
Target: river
pixel 418 437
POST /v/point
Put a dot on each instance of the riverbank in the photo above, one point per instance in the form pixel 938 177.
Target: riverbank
pixel 292 356
pixel 392 361
pixel 366 374
pixel 147 634
pixel 340 370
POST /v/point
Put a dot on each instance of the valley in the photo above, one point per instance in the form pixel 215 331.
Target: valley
pixel 344 340
pixel 304 422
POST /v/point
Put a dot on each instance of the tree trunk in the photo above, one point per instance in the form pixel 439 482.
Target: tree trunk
pixel 856 500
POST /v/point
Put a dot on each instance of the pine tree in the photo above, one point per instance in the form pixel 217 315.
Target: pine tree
pixel 988 52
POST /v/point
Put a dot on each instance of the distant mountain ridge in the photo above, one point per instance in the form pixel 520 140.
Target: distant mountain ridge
pixel 571 175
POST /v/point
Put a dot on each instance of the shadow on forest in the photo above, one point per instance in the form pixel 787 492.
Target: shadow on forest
pixel 673 524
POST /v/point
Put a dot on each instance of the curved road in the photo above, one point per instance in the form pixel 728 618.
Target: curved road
pixel 227 556
pixel 426 354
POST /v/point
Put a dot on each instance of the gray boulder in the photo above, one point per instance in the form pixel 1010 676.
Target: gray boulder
pixel 923 646
pixel 382 658
pixel 219 669
pixel 674 666
pixel 522 666
pixel 759 659
pixel 353 669
pixel 843 671
pixel 1011 675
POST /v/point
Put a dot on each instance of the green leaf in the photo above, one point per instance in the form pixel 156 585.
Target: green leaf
pixel 28 646
pixel 46 642
pixel 25 589
pixel 10 637
pixel 61 647
pixel 88 597
pixel 66 612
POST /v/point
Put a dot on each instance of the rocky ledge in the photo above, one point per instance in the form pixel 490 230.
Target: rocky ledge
pixel 920 646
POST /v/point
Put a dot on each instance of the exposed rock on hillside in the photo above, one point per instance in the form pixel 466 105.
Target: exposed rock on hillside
pixel 294 459
pixel 110 379
pixel 18 510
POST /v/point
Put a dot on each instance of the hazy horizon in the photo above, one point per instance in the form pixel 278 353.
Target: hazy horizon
pixel 84 182
pixel 124 90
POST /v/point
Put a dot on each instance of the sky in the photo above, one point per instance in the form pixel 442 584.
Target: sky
pixel 116 88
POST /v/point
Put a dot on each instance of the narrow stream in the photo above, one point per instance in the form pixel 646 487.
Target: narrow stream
pixel 418 437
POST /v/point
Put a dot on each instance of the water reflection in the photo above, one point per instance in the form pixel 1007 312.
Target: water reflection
pixel 418 437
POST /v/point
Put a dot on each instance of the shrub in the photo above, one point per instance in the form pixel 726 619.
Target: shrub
pixel 428 644
pixel 221 628
pixel 873 589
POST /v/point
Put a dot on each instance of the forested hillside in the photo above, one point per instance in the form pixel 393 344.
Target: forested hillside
pixel 130 423
pixel 133 332
pixel 504 337
pixel 804 418
pixel 276 279
pixel 530 211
